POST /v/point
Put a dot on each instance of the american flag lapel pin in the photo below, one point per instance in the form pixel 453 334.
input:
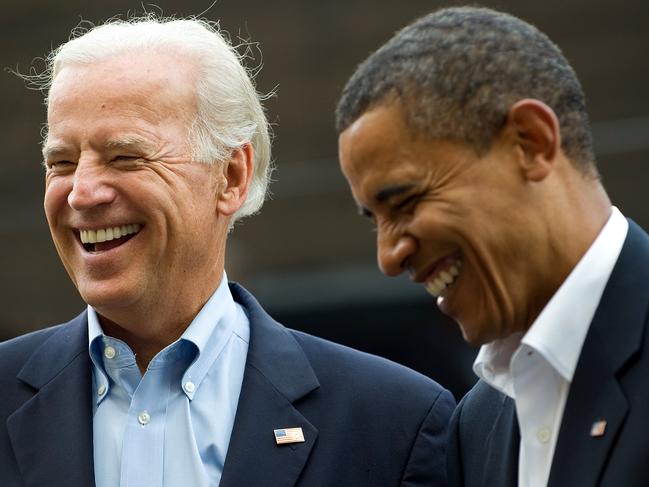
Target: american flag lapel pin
pixel 598 428
pixel 286 436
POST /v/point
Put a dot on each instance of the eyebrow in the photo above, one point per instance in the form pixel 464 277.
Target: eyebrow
pixel 385 195
pixel 115 144
pixel 129 142
pixel 390 192
pixel 53 151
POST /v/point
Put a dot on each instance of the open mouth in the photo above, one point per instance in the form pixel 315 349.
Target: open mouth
pixel 108 238
pixel 444 275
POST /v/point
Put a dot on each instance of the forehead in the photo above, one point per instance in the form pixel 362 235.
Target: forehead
pixel 375 130
pixel 157 82
pixel 378 148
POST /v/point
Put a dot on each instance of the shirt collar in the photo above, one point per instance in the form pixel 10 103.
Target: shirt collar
pixel 208 332
pixel 101 383
pixel 561 317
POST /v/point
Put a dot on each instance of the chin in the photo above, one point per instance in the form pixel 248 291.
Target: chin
pixel 101 298
pixel 476 335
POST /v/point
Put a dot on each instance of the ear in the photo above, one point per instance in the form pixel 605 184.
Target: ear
pixel 536 130
pixel 237 173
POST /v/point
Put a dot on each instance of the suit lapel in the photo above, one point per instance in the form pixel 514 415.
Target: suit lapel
pixel 277 374
pixel 501 454
pixel 595 395
pixel 253 458
pixel 51 434
pixel 613 339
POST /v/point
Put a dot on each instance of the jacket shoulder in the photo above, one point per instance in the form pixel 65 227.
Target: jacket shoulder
pixel 16 351
pixel 340 369
pixel 369 375
pixel 14 354
pixel 402 412
pixel 479 409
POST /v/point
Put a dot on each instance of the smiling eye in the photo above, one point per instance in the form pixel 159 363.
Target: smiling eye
pixel 408 203
pixel 125 162
pixel 57 165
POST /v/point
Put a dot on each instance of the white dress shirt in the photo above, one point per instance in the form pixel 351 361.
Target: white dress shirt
pixel 536 368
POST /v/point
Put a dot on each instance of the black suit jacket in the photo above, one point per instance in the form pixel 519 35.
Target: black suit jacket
pixel 366 421
pixel 611 383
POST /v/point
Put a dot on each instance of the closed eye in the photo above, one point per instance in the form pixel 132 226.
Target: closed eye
pixel 407 203
pixel 126 158
pixel 57 165
pixel 125 162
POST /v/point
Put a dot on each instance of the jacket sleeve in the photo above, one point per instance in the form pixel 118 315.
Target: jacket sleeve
pixel 426 466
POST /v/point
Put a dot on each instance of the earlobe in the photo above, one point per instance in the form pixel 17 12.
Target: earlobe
pixel 237 174
pixel 536 129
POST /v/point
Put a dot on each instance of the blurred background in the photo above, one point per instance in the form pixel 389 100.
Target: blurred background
pixel 308 256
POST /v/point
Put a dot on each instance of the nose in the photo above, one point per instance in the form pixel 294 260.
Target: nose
pixel 89 187
pixel 393 252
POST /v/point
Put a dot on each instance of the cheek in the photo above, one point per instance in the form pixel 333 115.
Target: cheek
pixel 436 224
pixel 55 200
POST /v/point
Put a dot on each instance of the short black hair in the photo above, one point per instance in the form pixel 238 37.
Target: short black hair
pixel 457 72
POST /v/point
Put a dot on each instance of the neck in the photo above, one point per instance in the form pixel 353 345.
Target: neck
pixel 574 217
pixel 145 343
pixel 147 329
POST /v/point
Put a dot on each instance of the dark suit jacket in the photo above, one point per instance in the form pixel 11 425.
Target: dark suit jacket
pixel 366 421
pixel 611 383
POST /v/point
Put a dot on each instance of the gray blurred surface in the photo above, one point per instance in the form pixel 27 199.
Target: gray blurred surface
pixel 308 249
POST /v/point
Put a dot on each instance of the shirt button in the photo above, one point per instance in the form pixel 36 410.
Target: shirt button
pixel 109 352
pixel 144 418
pixel 543 434
pixel 101 390
pixel 190 387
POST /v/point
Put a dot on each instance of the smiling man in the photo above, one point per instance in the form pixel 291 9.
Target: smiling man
pixel 465 139
pixel 156 143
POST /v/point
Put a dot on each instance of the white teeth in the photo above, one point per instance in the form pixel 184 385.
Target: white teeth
pixel 107 234
pixel 443 279
pixel 432 288
pixel 446 277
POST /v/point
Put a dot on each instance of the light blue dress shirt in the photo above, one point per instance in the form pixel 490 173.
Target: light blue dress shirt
pixel 171 426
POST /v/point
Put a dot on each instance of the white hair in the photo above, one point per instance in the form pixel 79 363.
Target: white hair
pixel 229 109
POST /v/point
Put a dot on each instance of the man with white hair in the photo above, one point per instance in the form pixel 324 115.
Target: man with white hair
pixel 156 143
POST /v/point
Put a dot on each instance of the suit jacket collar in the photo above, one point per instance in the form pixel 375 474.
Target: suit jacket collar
pixel 277 375
pixel 51 433
pixel 614 338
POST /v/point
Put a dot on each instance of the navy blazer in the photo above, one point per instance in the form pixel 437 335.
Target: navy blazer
pixel 611 383
pixel 366 421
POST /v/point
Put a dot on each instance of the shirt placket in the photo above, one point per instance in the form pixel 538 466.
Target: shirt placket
pixel 536 398
pixel 143 446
